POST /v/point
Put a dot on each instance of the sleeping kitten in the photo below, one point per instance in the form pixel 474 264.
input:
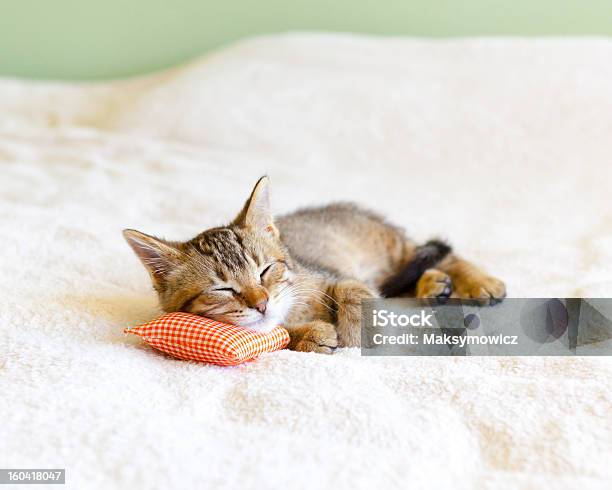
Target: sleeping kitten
pixel 308 271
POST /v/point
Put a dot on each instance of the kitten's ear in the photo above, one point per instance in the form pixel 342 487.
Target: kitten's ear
pixel 256 212
pixel 158 256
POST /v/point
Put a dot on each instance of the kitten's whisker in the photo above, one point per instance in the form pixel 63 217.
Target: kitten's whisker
pixel 318 291
pixel 318 301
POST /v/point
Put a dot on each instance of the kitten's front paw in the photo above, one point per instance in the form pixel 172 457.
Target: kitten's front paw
pixel 320 337
pixel 487 290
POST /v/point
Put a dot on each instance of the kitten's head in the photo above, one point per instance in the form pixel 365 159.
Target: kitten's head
pixel 238 274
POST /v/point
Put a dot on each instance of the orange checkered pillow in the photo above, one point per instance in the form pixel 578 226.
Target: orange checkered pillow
pixel 195 338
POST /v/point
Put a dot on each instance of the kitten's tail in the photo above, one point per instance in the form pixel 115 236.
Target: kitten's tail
pixel 426 256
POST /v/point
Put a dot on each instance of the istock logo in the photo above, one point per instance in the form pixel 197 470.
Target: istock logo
pixel 516 327
pixel 386 318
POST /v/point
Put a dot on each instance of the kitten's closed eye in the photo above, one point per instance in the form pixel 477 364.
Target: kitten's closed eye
pixel 226 289
pixel 275 273
pixel 266 269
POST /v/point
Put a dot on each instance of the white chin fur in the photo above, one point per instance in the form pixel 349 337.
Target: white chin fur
pixel 273 319
pixel 264 325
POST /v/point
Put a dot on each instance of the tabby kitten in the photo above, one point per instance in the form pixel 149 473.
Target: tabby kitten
pixel 308 271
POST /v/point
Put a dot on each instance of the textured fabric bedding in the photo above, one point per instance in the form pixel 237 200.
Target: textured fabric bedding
pixel 502 146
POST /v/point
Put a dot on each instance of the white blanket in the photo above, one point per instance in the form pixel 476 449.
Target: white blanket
pixel 504 147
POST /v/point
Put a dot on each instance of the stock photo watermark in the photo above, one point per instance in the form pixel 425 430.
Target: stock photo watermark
pixel 516 327
pixel 29 476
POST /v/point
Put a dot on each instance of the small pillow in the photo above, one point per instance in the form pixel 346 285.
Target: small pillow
pixel 195 338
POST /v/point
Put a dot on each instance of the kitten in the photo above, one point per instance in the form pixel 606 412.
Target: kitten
pixel 307 271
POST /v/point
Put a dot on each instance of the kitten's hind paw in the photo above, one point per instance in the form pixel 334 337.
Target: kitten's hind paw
pixel 434 284
pixel 486 290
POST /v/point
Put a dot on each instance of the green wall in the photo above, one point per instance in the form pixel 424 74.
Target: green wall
pixel 85 39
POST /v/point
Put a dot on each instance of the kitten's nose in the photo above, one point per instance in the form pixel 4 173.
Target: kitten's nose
pixel 261 306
